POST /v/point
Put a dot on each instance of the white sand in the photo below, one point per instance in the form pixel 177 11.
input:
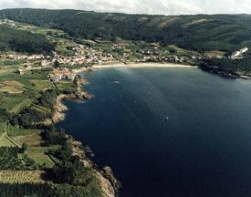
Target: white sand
pixel 143 65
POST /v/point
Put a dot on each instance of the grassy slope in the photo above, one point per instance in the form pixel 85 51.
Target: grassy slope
pixel 39 154
pixel 21 89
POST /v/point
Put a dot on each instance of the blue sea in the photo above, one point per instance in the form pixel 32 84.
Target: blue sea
pixel 167 132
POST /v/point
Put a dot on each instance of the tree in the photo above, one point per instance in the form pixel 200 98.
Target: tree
pixel 76 80
pixel 56 64
pixel 24 148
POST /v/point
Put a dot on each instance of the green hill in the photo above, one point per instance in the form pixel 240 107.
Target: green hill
pixel 12 39
pixel 199 32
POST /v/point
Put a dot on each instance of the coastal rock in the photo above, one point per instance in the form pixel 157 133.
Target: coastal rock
pixel 106 184
pixel 108 174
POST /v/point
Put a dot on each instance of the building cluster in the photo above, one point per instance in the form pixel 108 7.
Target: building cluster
pixel 239 54
pixel 62 73
pixel 83 55
pixel 156 56
pixel 7 22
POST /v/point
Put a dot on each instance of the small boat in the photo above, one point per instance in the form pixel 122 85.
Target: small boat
pixel 116 82
pixel 166 118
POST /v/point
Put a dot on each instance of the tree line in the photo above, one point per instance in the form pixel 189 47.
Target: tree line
pixel 12 39
pixel 200 32
pixel 42 190
pixel 226 66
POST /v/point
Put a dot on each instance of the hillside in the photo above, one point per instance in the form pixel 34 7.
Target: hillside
pixel 12 39
pixel 200 32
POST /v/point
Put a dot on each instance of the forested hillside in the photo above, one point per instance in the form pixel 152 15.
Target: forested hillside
pixel 12 39
pixel 200 32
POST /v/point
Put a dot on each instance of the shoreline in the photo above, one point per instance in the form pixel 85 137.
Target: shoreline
pixel 157 65
pixel 132 65
pixel 143 65
pixel 108 183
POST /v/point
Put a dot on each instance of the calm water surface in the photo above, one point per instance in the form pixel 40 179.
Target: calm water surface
pixel 202 150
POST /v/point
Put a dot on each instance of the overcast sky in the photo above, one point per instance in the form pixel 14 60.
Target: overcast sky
pixel 166 7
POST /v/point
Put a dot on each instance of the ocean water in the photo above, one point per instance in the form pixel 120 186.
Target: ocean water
pixel 168 132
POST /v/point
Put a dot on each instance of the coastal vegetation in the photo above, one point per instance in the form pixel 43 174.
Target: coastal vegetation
pixel 227 67
pixel 41 190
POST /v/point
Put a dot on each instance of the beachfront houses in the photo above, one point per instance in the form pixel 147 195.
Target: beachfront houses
pixel 59 74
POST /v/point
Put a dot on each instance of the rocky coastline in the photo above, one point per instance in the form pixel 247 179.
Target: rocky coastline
pixel 108 183
pixel 107 180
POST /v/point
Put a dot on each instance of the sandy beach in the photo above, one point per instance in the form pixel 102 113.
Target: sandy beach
pixel 143 65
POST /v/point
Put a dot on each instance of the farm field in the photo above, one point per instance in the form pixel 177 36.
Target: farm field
pixel 40 155
pixel 21 176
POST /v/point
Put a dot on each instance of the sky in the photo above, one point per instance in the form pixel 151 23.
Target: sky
pixel 163 7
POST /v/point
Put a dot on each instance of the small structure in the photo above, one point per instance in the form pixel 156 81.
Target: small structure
pixel 70 76
pixel 20 71
pixel 238 54
pixel 55 78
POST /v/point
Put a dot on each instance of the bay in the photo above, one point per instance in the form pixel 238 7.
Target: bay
pixel 174 132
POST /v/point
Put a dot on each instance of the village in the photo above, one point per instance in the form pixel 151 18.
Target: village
pixel 72 54
pixel 84 56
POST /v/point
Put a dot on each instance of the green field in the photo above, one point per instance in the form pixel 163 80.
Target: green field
pixel 40 108
pixel 66 86
pixel 15 131
pixel 19 91
pixel 41 84
pixel 40 155
pixel 15 102
pixel 2 128
pixel 33 139
pixel 5 141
